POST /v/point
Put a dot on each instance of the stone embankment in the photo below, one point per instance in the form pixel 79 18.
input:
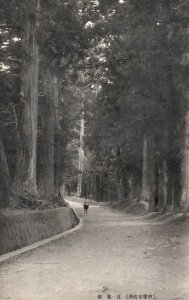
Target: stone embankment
pixel 22 228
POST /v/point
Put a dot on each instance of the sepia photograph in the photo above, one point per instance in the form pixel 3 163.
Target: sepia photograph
pixel 94 149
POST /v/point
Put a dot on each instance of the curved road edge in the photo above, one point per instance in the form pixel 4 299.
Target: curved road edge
pixel 43 242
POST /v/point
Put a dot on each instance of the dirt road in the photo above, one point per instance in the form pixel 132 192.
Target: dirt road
pixel 113 256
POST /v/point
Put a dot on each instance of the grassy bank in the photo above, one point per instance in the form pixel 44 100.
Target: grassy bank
pixel 22 228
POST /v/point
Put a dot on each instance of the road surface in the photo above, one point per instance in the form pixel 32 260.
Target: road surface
pixel 113 256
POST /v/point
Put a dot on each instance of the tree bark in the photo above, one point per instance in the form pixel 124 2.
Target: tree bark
pixel 119 176
pixel 46 156
pixel 163 186
pixel 130 187
pixel 185 167
pixel 176 197
pixel 58 147
pixel 119 189
pixel 148 173
pixel 5 181
pixel 109 188
pixel 98 188
pixel 25 176
pixel 79 186
pixel 81 159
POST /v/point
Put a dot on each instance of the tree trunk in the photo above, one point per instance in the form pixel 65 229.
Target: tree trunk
pixel 163 186
pixel 5 181
pixel 58 159
pixel 148 173
pixel 119 189
pixel 109 188
pixel 81 159
pixel 79 186
pixel 98 187
pixel 185 167
pixel 176 197
pixel 119 176
pixel 130 188
pixel 46 156
pixel 101 187
pixel 95 187
pixel 25 176
pixel 58 148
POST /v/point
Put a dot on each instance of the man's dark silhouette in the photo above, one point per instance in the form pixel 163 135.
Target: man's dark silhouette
pixel 85 206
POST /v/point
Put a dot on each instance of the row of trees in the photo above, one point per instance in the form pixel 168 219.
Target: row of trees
pixel 106 79
pixel 136 139
pixel 40 43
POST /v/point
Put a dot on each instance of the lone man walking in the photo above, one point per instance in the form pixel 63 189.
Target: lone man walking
pixel 86 206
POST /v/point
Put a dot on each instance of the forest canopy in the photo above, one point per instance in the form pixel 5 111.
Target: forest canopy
pixel 94 98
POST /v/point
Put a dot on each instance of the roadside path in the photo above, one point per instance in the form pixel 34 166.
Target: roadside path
pixel 113 255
